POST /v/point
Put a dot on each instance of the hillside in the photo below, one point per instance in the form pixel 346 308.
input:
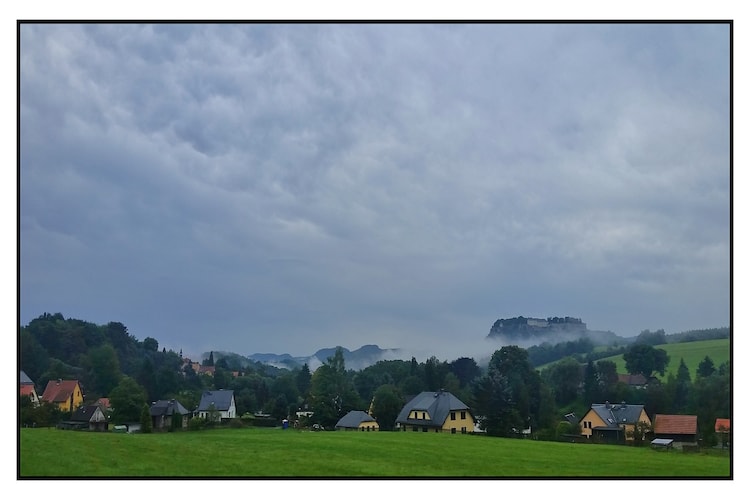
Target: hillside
pixel 692 352
pixel 357 359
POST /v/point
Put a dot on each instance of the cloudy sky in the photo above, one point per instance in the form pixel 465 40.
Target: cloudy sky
pixel 284 188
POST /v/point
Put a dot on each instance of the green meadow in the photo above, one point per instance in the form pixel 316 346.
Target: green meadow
pixel 692 352
pixel 276 453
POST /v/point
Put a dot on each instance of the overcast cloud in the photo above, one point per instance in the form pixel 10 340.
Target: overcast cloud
pixel 284 188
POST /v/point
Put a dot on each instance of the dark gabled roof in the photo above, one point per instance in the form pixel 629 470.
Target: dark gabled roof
pixel 615 415
pixel 25 380
pixel 437 404
pixel 675 424
pixel 84 413
pixel 167 407
pixel 222 400
pixel 353 419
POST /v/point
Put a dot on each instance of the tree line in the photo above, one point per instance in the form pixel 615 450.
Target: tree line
pixel 506 396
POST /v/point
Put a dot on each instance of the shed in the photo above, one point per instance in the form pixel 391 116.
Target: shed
pixel 661 444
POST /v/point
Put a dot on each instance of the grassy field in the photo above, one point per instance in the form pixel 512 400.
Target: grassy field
pixel 275 453
pixel 692 352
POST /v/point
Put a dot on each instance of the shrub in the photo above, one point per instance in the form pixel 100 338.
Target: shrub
pixel 197 424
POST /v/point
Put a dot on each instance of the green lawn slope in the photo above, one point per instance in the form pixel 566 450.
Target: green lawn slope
pixel 276 453
pixel 692 352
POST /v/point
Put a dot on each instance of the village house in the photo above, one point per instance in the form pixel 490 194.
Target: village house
pixel 28 388
pixel 219 403
pixel 438 411
pixel 613 423
pixel 88 417
pixel 168 415
pixel 66 394
pixel 357 420
pixel 681 430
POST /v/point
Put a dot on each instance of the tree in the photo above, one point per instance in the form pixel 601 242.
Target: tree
pixel 150 344
pixel 509 397
pixel 304 378
pixel 466 369
pixel 146 377
pixel 145 419
pixel 705 367
pixel 34 358
pixel 386 405
pixel 210 360
pixel 652 338
pixel 332 392
pixel 645 359
pixel 127 401
pixel 564 377
pixel 103 369
pixel 607 375
pixel 591 388
pixel 682 388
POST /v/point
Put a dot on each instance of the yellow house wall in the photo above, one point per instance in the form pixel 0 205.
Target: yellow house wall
pixel 77 401
pixel 459 423
pixel 372 425
pixel 592 417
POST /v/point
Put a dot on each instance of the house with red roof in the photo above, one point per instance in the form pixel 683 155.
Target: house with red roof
pixel 681 429
pixel 66 394
pixel 723 428
pixel 28 389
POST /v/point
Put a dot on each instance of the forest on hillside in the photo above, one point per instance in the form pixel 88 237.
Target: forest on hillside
pixel 508 394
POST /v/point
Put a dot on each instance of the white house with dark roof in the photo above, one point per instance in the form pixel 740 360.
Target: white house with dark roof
pixel 221 401
pixel 437 411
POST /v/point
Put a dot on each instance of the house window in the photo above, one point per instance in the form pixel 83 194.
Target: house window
pixel 424 429
pixel 463 415
pixel 423 417
pixel 453 430
pixel 414 428
pixel 463 430
pixel 453 415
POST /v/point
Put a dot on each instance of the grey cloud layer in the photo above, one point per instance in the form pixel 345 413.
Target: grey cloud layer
pixel 226 186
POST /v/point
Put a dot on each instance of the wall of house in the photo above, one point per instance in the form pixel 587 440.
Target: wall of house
pixel 368 426
pixel 589 421
pixel 459 421
pixel 73 402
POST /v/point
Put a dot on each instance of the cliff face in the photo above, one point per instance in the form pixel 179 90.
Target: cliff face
pixel 522 328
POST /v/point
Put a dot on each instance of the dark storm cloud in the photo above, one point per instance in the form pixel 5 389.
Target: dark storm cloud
pixel 290 187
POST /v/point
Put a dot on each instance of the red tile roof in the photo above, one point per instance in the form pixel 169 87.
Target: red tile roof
pixel 722 425
pixel 27 390
pixel 632 379
pixel 675 424
pixel 58 391
pixel 104 402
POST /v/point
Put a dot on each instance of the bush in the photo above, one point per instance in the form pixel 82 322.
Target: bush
pixel 197 424
pixel 236 423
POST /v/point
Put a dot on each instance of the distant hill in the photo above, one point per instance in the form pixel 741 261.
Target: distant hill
pixel 357 359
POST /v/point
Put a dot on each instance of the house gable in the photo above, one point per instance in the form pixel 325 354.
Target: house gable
pixel 438 411
pixel 66 394
pixel 357 419
pixel 613 419
pixel 222 400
